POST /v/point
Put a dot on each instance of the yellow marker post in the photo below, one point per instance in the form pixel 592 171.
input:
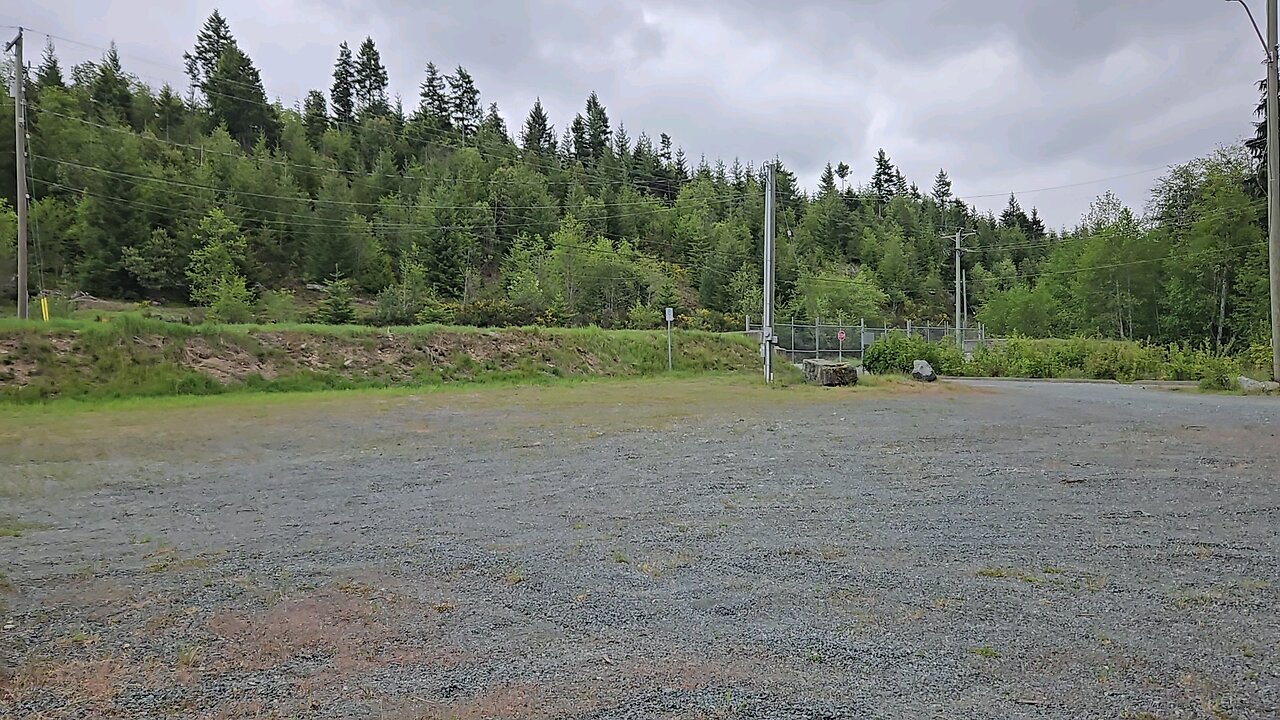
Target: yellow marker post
pixel 44 308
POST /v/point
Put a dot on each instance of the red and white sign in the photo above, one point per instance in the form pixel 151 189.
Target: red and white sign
pixel 840 335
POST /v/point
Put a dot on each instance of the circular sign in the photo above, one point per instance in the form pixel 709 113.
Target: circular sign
pixel 840 335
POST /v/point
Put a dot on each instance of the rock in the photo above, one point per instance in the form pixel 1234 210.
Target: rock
pixel 922 370
pixel 830 373
pixel 1250 385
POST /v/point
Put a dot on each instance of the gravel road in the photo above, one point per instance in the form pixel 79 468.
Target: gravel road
pixel 685 549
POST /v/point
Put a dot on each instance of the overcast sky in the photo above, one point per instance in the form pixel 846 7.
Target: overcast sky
pixel 1005 94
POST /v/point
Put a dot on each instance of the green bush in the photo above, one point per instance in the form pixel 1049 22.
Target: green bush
pixel 493 312
pixel 897 353
pixel 232 302
pixel 337 307
pixel 278 306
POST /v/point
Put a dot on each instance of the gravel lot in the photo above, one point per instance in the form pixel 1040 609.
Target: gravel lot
pixel 683 549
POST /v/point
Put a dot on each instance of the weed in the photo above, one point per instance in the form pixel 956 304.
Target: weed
pixel 515 577
pixel 993 572
pixel 188 656
pixel 832 553
pixel 168 559
pixel 444 606
pixel 620 557
pixel 1051 570
pixel 650 570
pixel 985 651
pixel 815 657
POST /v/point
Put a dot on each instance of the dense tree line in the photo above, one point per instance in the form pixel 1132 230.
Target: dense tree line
pixel 440 210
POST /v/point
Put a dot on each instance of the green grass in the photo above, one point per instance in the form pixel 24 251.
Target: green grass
pixel 133 356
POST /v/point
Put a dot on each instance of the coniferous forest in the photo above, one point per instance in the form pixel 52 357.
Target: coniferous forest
pixel 445 208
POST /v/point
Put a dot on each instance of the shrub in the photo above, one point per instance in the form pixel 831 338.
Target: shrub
pixel 645 317
pixel 337 307
pixel 278 306
pixel 493 312
pixel 232 302
pixel 897 353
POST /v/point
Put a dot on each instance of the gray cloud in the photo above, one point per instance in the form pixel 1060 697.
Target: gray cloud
pixel 1005 94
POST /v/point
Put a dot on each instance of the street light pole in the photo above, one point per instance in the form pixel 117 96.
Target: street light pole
pixel 1273 171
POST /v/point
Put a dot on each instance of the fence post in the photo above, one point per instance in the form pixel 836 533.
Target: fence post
pixel 862 335
pixel 908 328
pixel 793 338
pixel 817 337
pixel 746 319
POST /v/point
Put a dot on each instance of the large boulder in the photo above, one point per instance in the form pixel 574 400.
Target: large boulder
pixel 830 373
pixel 1250 385
pixel 922 370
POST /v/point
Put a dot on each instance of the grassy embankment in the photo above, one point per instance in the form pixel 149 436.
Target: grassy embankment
pixel 131 356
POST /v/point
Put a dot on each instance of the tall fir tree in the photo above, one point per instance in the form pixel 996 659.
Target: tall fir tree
pixel 538 136
pixel 464 102
pixel 238 101
pixel 212 40
pixel 341 97
pixel 827 183
pixel 883 179
pixel 369 84
pixel 434 109
pixel 941 188
pixel 49 74
pixel 315 117
pixel 110 91
pixel 598 134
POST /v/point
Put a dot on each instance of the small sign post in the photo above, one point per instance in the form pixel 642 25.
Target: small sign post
pixel 671 316
pixel 840 337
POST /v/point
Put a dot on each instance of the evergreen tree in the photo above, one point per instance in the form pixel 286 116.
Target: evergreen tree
pixel 49 74
pixel 494 126
pixel 597 133
pixel 169 109
pixel 341 93
pixel 434 108
pixel 110 92
pixel 581 144
pixel 883 179
pixel 842 172
pixel 238 101
pixel 213 39
pixel 315 117
pixel 538 136
pixel 941 188
pixel 464 102
pixel 369 83
pixel 827 184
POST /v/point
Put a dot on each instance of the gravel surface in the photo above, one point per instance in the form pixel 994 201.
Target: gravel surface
pixel 659 550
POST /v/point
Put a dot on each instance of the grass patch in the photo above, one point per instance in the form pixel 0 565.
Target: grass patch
pixel 985 651
pixel 13 527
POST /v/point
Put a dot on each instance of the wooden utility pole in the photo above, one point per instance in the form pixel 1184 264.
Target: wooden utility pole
pixel 20 136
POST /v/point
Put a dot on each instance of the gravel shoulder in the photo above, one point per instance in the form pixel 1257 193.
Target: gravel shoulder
pixel 647 549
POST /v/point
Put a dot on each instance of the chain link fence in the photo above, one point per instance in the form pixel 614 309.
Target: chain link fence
pixel 846 341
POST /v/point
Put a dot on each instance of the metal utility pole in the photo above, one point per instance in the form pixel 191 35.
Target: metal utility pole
pixel 1273 185
pixel 20 137
pixel 1273 172
pixel 766 331
pixel 959 334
